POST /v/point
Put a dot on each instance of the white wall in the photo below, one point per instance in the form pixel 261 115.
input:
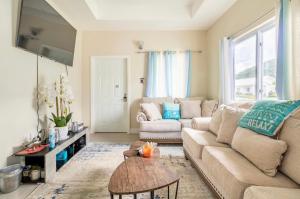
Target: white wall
pixel 122 43
pixel 239 16
pixel 18 83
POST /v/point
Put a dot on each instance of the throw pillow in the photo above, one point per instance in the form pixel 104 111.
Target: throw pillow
pixel 264 152
pixel 171 111
pixel 296 114
pixel 290 133
pixel 209 107
pixel 158 101
pixel 190 109
pixel 151 111
pixel 216 120
pixel 230 121
pixel 267 117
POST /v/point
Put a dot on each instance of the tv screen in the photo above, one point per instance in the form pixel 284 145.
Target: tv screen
pixel 45 32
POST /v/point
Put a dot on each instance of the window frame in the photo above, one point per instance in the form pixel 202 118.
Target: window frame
pixel 258 33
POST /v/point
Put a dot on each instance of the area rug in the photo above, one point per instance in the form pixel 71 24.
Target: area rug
pixel 87 174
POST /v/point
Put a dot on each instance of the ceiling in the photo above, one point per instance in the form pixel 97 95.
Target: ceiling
pixel 142 14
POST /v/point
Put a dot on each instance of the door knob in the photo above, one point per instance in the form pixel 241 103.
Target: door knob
pixel 125 97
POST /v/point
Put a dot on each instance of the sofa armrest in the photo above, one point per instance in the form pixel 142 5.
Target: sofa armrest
pixel 140 117
pixel 201 123
pixel 260 192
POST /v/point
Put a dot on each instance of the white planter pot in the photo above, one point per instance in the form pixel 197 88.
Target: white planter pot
pixel 61 133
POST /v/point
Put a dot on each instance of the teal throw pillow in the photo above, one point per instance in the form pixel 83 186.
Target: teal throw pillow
pixel 171 111
pixel 267 117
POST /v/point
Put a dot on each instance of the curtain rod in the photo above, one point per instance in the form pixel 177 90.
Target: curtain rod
pixel 147 51
pixel 252 23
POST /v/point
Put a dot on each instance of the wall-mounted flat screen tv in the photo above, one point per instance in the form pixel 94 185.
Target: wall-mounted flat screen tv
pixel 45 32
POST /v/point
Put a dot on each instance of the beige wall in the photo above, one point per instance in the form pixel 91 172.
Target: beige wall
pixel 239 16
pixel 18 83
pixel 122 43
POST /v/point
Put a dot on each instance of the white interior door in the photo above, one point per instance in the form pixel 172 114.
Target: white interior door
pixel 109 90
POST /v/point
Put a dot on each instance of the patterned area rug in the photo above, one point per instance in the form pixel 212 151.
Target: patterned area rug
pixel 86 175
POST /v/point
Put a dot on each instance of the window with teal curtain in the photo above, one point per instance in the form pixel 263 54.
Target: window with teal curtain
pixel 169 74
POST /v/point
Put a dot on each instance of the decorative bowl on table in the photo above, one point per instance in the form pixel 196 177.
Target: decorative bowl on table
pixel 147 149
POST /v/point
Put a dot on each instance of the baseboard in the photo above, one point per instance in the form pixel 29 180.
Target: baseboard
pixel 134 130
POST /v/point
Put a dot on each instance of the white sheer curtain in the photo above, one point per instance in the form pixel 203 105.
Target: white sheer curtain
pixel 288 63
pixel 295 8
pixel 226 72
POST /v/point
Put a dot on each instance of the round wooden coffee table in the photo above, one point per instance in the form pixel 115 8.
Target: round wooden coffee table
pixel 139 175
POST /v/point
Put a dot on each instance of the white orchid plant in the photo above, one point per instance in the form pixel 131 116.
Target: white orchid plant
pixel 61 96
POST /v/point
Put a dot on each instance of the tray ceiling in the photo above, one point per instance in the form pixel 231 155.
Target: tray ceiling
pixel 142 14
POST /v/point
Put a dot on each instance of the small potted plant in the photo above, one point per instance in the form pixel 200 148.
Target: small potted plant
pixel 59 95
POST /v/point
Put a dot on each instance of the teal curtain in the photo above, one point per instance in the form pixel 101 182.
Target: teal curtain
pixel 283 65
pixel 188 65
pixel 152 74
pixel 170 60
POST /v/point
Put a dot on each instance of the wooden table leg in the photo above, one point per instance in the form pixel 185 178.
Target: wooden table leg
pixel 152 194
pixel 176 189
pixel 111 196
pixel 120 196
pixel 168 192
pixel 134 196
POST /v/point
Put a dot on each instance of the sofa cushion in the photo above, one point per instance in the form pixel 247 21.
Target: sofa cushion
pixel 197 140
pixel 186 123
pixel 290 133
pixel 161 137
pixel 261 192
pixel 190 109
pixel 201 123
pixel 160 126
pixel 234 173
pixel 151 111
pixel 158 101
pixel 209 107
pixel 216 120
pixel 230 120
pixel 264 152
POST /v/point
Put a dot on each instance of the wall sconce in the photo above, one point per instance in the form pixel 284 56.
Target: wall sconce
pixel 140 45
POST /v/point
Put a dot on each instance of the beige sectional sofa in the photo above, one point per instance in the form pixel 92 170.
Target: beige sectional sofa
pixel 231 175
pixel 165 130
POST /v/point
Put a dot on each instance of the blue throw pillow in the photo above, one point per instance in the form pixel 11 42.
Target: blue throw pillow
pixel 171 111
pixel 267 117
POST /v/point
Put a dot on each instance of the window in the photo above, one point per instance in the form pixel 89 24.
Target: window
pixel 254 63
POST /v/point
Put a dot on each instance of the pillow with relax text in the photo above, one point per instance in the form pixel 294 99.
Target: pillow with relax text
pixel 267 117
pixel 171 111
